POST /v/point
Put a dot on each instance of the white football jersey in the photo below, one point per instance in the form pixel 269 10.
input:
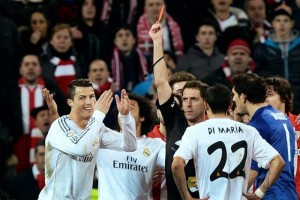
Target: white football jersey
pixel 70 154
pixel 222 150
pixel 128 175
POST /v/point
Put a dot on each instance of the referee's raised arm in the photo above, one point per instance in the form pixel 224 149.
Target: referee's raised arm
pixel 164 91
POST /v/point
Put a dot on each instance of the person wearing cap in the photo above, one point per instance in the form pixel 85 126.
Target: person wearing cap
pixel 237 61
pixel 280 54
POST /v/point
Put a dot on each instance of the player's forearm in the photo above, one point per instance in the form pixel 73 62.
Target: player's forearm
pixel 179 177
pixel 252 177
pixel 276 166
pixel 53 116
pixel 129 132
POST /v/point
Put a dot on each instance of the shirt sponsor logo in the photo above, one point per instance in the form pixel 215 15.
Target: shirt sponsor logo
pixel 130 164
pixel 86 158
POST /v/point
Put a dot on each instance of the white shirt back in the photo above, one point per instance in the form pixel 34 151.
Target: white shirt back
pixel 222 150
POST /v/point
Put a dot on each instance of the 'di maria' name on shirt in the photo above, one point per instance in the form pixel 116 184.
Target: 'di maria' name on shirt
pixel 231 129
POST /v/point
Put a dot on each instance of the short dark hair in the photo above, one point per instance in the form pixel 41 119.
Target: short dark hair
pixel 252 85
pixel 198 85
pixel 126 27
pixel 146 111
pixel 77 83
pixel 180 77
pixel 218 97
pixel 59 27
pixel 35 111
pixel 283 88
pixel 206 22
pixel 39 143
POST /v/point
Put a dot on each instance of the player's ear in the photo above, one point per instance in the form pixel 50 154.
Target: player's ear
pixel 142 119
pixel 243 97
pixel 70 102
pixel 206 106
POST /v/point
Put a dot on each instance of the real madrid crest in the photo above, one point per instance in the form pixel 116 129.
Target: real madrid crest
pixel 146 152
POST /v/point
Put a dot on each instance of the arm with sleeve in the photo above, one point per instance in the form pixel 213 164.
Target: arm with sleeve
pixel 125 141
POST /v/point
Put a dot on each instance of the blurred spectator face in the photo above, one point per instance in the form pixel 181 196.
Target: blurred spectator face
pixel 42 121
pixel 40 158
pixel 39 23
pixel 98 72
pixel 30 69
pixel 62 40
pixel 256 11
pixel 282 25
pixel 88 10
pixel 221 5
pixel 152 8
pixel 124 40
pixel 274 99
pixel 206 37
pixel 238 60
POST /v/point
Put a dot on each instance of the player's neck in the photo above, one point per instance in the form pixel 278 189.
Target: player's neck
pixel 217 115
pixel 196 121
pixel 81 123
pixel 252 108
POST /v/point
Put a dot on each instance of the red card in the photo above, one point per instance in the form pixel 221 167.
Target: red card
pixel 161 13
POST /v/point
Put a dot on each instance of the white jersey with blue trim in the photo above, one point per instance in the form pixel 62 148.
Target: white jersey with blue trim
pixel 222 150
pixel 128 175
pixel 70 154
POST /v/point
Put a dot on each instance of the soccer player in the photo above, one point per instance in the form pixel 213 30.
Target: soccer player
pixel 177 118
pixel 73 141
pixel 222 150
pixel 129 175
pixel 249 93
pixel 281 97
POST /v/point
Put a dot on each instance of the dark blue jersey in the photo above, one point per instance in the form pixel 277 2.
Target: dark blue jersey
pixel 278 131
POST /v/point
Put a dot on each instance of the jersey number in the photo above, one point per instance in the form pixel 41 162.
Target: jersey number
pixel 238 171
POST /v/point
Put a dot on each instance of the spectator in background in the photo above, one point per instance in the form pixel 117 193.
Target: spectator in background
pixel 171 61
pixel 172 40
pixel 279 55
pixel 35 39
pixel 24 149
pixel 238 61
pixel 295 5
pixel 100 77
pixel 29 183
pixel 202 59
pixel 227 16
pixel 187 17
pixel 61 63
pixel 20 11
pixel 256 11
pixel 281 97
pixel 128 62
pixel 91 39
pixel 101 81
pixel 26 94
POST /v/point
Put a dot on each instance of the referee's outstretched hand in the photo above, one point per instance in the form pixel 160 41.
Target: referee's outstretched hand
pixel 156 32
pixel 123 103
pixel 104 101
